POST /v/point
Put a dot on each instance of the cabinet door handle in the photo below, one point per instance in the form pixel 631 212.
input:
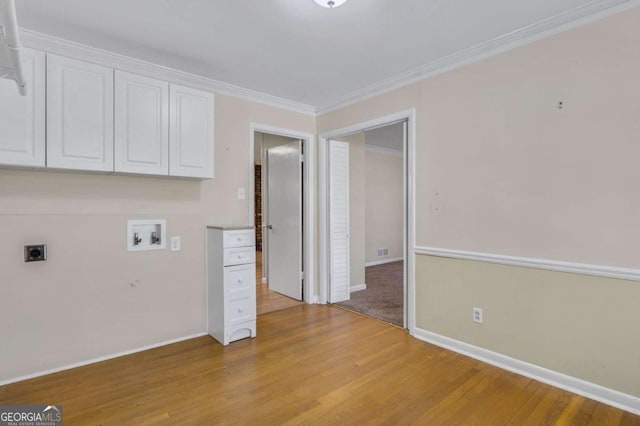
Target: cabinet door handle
pixel 239 281
pixel 240 310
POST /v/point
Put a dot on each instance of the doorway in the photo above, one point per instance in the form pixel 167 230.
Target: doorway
pixel 376 231
pixel 380 272
pixel 279 210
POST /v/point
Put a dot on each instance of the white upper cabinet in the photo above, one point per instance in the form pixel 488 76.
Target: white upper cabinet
pixel 191 132
pixel 79 115
pixel 141 124
pixel 22 118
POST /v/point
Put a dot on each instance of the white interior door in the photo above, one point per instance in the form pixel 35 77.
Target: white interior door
pixel 284 205
pixel 339 221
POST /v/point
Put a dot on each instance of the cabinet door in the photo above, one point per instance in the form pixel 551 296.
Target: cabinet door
pixel 79 115
pixel 191 132
pixel 22 118
pixel 141 124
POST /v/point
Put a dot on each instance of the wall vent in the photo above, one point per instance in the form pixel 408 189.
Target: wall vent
pixel 382 252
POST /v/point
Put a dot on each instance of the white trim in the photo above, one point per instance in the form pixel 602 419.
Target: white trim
pixel 48 43
pixel 409 177
pixel 100 359
pixel 309 197
pixel 581 387
pixel 383 151
pixel 529 262
pixel 323 220
pixel 358 287
pixel 382 262
pixel 564 21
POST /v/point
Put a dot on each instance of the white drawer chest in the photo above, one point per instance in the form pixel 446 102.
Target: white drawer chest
pixel 231 283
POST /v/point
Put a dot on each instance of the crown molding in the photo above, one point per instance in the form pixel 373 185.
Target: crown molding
pixel 59 46
pixel 590 12
pixel 581 15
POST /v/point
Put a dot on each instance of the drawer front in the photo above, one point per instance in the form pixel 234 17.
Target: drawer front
pixel 240 310
pixel 239 278
pixel 239 256
pixel 240 238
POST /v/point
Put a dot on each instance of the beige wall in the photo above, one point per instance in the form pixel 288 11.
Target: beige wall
pixel 580 325
pixel 500 169
pixel 356 206
pixel 383 205
pixel 80 303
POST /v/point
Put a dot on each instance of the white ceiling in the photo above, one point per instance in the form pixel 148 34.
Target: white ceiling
pixel 292 49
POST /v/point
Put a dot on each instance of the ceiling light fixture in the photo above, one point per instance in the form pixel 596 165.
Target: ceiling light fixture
pixel 330 3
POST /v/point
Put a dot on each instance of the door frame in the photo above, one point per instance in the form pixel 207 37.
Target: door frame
pixel 308 196
pixel 409 206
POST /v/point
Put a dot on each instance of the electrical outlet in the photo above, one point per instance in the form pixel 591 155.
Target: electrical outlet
pixel 241 193
pixel 35 253
pixel 175 243
pixel 477 315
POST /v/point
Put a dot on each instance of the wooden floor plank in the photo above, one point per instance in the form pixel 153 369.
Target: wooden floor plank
pixel 267 300
pixel 309 365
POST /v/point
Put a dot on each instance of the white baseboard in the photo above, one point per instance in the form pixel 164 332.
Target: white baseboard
pixel 383 261
pixel 358 287
pixel 99 359
pixel 581 387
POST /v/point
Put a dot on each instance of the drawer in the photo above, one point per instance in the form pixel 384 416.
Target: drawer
pixel 240 277
pixel 239 256
pixel 240 310
pixel 240 238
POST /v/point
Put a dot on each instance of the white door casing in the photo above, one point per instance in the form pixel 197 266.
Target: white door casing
pixel 309 239
pixel 79 115
pixel 339 240
pixel 22 118
pixel 284 195
pixel 141 124
pixel 324 236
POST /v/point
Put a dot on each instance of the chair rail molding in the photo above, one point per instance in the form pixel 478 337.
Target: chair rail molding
pixel 530 262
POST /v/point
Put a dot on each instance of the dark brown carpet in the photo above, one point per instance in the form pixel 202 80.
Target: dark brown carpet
pixel 383 298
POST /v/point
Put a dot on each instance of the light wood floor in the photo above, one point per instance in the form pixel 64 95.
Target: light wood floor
pixel 267 300
pixel 310 364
